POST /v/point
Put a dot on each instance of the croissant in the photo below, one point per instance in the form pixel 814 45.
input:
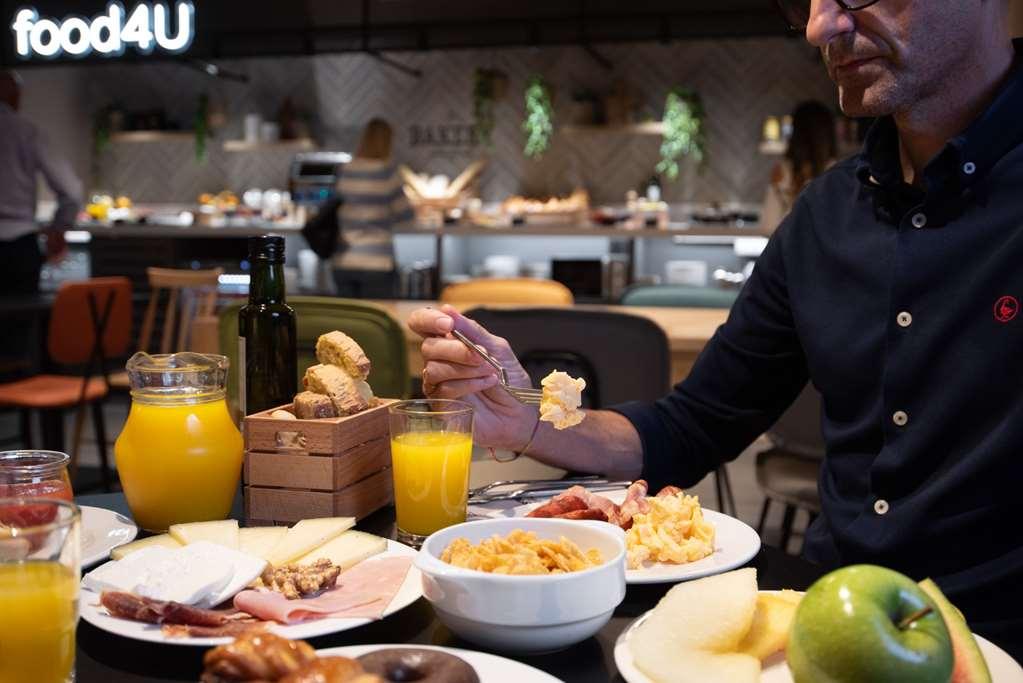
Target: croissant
pixel 256 657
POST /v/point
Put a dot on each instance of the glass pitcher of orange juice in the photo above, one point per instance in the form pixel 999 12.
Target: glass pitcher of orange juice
pixel 179 454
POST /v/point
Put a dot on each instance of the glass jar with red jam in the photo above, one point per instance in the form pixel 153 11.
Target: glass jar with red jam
pixel 35 474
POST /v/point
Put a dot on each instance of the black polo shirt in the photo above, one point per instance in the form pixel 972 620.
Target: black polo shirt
pixel 902 305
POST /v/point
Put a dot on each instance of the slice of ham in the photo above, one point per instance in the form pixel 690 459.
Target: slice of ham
pixel 138 608
pixel 231 629
pixel 363 591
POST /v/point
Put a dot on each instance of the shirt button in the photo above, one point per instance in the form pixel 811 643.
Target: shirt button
pixel 904 319
pixel 969 168
pixel 919 220
pixel 900 418
pixel 881 506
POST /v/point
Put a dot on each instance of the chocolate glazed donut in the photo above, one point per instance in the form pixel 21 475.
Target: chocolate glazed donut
pixel 413 665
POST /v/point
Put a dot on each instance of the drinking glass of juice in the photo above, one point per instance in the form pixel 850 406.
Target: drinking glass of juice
pixel 34 474
pixel 180 453
pixel 39 566
pixel 431 447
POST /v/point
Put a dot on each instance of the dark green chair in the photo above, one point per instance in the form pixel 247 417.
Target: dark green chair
pixel 679 296
pixel 379 335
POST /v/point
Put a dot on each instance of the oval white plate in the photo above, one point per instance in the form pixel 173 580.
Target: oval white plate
pixel 102 531
pixel 490 668
pixel 735 544
pixel 1004 668
pixel 410 591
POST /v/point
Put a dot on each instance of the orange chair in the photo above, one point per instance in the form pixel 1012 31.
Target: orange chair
pixel 90 322
pixel 525 291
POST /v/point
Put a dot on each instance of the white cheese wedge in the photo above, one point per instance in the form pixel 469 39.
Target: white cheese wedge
pixel 245 568
pixel 202 573
pixel 347 550
pixel 260 540
pixel 306 536
pixel 164 540
pixel 224 533
pixel 123 575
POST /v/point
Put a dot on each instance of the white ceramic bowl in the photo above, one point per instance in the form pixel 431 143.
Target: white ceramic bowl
pixel 531 614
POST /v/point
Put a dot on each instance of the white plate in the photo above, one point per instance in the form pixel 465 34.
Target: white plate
pixel 490 668
pixel 735 544
pixel 410 591
pixel 1004 668
pixel 102 531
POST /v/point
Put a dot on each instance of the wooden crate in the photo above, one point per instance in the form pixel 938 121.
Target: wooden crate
pixel 332 467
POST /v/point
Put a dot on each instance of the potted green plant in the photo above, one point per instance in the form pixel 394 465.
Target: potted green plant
pixel 539 123
pixel 488 86
pixel 684 133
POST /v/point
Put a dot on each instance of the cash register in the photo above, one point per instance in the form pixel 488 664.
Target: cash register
pixel 313 177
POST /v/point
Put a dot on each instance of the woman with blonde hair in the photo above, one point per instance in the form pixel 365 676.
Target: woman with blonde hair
pixel 372 202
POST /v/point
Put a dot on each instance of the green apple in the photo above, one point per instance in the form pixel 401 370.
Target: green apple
pixel 868 624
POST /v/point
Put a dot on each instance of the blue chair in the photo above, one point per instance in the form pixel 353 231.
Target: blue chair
pixel 679 296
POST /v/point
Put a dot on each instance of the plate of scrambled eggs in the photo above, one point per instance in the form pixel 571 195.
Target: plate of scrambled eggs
pixel 677 539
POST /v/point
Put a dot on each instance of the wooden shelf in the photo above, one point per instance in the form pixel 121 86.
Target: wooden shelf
pixel 134 136
pixel 301 144
pixel 648 128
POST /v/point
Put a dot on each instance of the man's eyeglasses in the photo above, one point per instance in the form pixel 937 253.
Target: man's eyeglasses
pixel 797 12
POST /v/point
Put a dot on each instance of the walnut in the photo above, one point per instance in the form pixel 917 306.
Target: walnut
pixel 295 581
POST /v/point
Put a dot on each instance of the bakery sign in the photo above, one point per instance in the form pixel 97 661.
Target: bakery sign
pixel 149 27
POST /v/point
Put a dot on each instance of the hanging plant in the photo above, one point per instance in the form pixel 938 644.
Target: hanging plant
pixel 683 130
pixel 488 86
pixel 539 123
pixel 202 131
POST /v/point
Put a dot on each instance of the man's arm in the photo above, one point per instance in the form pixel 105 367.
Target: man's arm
pixel 746 376
pixel 67 188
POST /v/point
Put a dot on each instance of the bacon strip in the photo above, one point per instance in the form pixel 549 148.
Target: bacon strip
pixel 669 491
pixel 584 514
pixel 559 506
pixel 138 608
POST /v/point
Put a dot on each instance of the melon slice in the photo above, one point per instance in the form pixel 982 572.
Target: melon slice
pixel 223 533
pixel 769 632
pixel 697 666
pixel 969 665
pixel 713 614
pixel 123 551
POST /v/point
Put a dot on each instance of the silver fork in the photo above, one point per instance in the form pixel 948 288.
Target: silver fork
pixel 529 397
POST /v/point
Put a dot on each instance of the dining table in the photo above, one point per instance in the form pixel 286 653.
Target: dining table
pixel 105 658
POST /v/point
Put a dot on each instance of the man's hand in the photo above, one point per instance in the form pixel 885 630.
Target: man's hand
pixel 450 370
pixel 56 247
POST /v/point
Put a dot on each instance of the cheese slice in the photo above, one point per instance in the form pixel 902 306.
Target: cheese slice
pixel 259 540
pixel 244 569
pixel 347 550
pixel 163 540
pixel 123 575
pixel 224 533
pixel 306 536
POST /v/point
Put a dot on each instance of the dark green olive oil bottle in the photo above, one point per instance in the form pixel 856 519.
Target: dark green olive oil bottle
pixel 266 332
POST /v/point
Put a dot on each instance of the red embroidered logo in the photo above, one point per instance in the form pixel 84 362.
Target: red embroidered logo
pixel 1006 309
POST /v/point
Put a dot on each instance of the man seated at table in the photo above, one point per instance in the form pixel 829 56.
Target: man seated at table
pixel 894 285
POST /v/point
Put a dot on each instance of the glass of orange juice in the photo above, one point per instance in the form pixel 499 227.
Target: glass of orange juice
pixel 431 447
pixel 39 565
pixel 180 454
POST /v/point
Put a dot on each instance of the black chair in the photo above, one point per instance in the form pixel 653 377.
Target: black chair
pixel 622 357
pixel 788 472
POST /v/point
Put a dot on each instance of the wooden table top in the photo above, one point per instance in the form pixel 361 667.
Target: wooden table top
pixel 687 329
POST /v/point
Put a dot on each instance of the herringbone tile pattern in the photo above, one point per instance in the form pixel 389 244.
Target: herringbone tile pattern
pixel 741 81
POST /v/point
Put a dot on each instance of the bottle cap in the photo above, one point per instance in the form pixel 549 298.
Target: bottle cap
pixel 266 247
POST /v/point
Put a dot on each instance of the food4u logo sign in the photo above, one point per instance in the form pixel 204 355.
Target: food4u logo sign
pixel 146 28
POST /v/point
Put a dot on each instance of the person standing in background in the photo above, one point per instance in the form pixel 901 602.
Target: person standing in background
pixel 25 153
pixel 812 149
pixel 372 201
